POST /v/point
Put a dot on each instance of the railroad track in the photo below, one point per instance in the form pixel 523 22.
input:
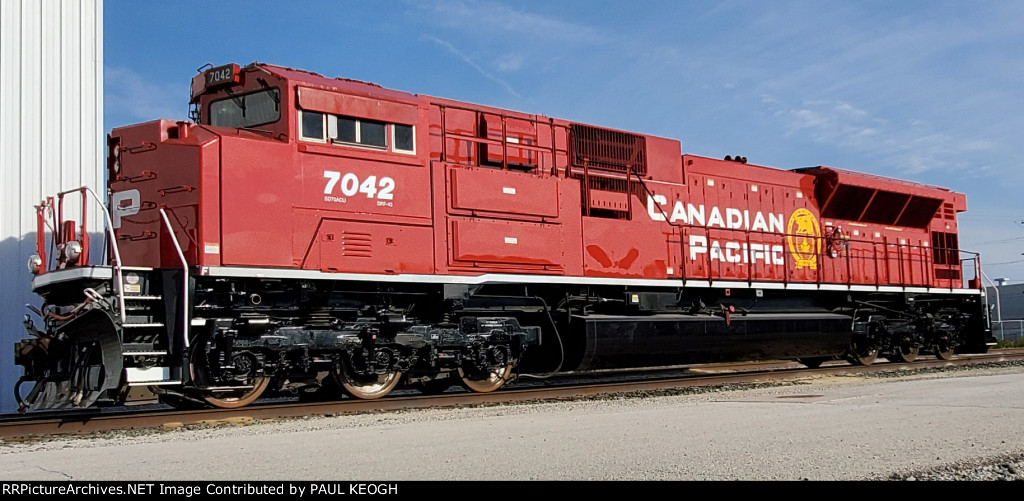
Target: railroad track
pixel 32 426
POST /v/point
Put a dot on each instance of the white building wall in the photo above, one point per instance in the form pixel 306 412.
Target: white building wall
pixel 51 138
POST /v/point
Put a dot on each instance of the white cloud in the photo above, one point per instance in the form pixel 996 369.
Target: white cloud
pixel 914 149
pixel 510 62
pixel 849 110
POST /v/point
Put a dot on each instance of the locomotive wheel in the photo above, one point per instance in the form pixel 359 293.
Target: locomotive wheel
pixel 249 390
pixel 905 354
pixel 485 382
pixel 862 356
pixel 240 398
pixel 367 387
pixel 944 352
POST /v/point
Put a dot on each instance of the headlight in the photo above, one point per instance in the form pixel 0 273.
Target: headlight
pixel 35 263
pixel 72 250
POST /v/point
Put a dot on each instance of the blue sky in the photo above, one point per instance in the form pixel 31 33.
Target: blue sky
pixel 928 91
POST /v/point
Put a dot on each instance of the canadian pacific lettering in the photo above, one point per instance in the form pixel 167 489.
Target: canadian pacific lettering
pixel 731 219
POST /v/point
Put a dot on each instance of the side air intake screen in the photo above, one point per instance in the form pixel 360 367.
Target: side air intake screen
pixel 608 150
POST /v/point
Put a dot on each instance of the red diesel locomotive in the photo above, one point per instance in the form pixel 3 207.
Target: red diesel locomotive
pixel 325 236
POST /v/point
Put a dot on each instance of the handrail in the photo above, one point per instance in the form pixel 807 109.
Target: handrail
pixel 184 281
pixel 551 150
pixel 110 235
pixel 496 142
pixel 902 258
pixel 999 304
pixel 894 254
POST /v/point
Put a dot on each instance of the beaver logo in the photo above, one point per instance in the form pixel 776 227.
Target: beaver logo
pixel 803 235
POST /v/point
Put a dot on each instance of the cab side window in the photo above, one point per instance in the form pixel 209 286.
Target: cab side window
pixel 357 132
pixel 311 125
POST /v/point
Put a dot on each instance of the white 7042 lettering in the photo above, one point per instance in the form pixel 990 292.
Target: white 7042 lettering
pixel 348 184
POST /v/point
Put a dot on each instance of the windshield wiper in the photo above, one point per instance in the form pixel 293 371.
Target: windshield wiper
pixel 273 95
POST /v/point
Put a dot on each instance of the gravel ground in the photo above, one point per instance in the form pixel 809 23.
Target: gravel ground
pixel 1009 466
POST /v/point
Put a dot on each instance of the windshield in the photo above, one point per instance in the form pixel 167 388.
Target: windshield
pixel 246 110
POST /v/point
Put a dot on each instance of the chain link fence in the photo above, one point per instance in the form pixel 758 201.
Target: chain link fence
pixel 1008 330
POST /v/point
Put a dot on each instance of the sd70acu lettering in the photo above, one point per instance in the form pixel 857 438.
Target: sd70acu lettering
pixel 329 237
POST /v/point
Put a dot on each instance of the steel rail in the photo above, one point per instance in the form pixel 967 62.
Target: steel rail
pixel 43 425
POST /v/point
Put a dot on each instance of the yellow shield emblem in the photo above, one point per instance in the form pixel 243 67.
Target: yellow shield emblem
pixel 803 234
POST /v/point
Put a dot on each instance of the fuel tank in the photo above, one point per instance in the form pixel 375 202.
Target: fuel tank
pixel 620 341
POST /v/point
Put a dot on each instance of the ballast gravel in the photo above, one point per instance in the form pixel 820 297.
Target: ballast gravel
pixel 986 464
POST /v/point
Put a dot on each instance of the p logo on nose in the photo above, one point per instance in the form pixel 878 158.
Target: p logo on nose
pixel 124 204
